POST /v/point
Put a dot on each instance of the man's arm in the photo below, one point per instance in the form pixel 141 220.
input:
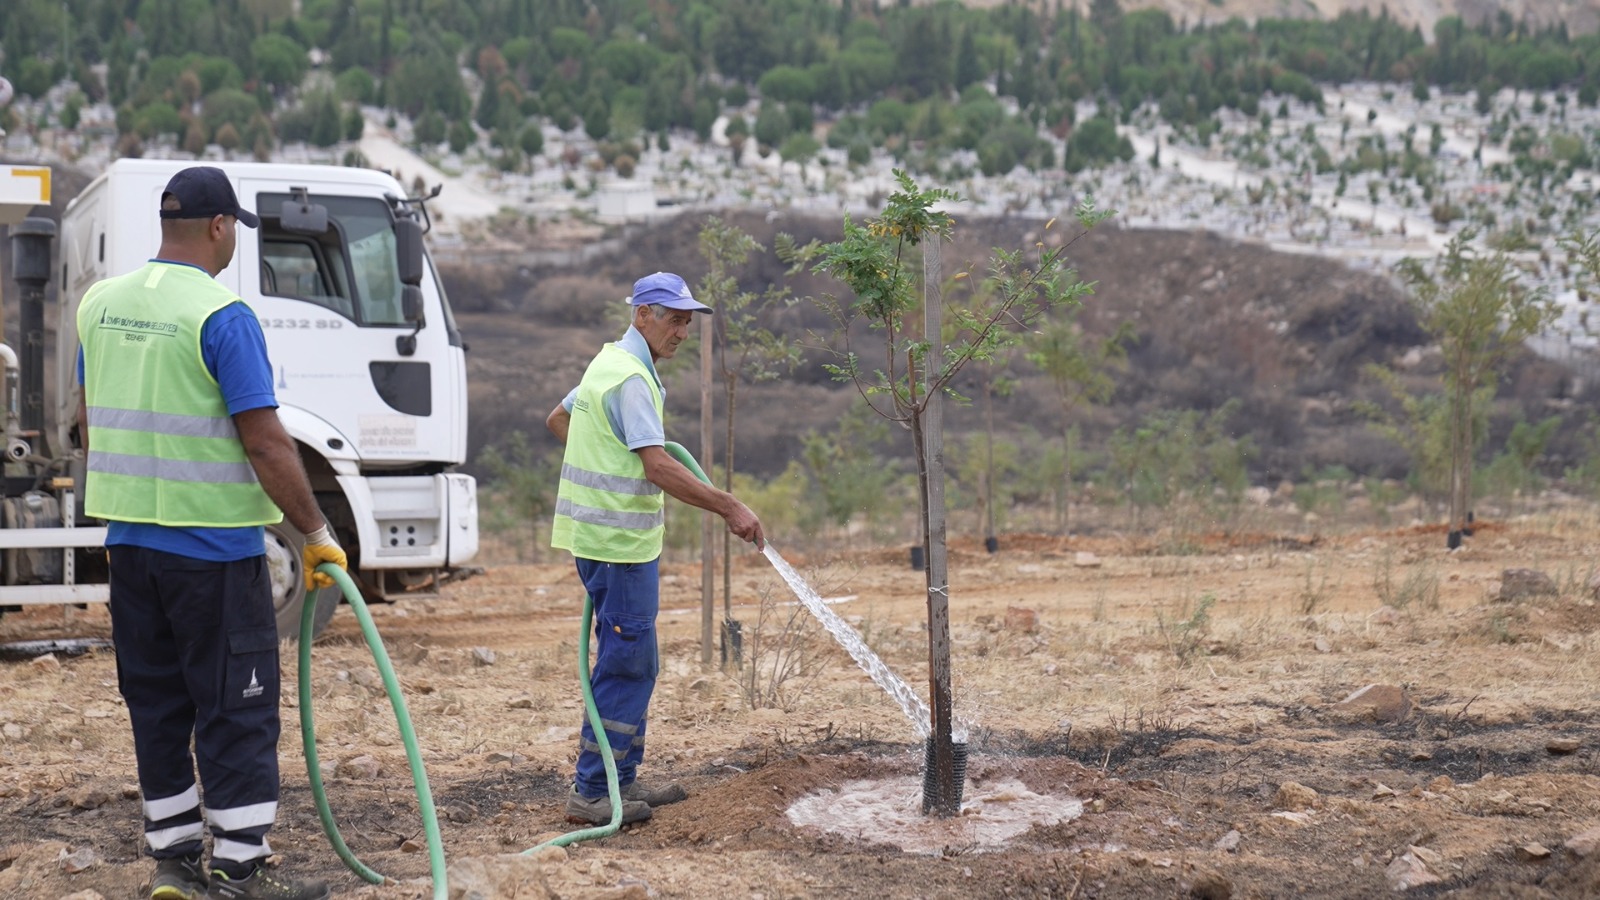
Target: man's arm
pixel 558 422
pixel 671 476
pixel 273 455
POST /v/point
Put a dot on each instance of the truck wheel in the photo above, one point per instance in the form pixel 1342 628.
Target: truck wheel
pixel 286 568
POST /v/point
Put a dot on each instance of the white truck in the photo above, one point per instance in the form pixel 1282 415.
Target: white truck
pixel 370 376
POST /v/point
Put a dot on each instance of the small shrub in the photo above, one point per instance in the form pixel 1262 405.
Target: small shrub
pixel 1187 638
pixel 781 653
pixel 1420 586
pixel 1315 592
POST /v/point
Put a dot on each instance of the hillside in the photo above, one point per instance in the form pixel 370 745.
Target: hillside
pixel 1285 335
pixel 1216 320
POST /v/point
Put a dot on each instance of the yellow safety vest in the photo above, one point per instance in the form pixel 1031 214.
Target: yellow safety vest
pixel 606 509
pixel 162 447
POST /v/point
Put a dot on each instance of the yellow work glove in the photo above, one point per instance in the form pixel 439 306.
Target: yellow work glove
pixel 321 548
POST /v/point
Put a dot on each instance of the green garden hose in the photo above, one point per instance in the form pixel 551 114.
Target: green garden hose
pixel 595 723
pixel 681 454
pixel 308 734
pixel 612 788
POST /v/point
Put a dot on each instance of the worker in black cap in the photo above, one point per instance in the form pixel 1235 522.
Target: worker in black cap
pixel 187 462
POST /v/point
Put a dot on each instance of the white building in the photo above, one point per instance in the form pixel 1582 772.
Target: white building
pixel 625 201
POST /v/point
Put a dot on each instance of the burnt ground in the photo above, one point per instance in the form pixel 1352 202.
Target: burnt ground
pixel 1183 726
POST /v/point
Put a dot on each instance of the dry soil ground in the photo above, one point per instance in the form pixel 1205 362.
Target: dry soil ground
pixel 1175 695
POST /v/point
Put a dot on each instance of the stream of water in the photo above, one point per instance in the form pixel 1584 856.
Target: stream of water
pixel 910 703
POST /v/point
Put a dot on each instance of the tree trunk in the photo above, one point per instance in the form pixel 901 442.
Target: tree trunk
pixel 708 553
pixel 1461 424
pixel 727 485
pixel 1065 517
pixel 928 434
pixel 988 463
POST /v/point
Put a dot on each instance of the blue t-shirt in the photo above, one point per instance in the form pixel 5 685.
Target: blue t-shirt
pixel 629 407
pixel 235 352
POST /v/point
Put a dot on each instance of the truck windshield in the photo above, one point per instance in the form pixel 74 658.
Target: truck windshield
pixel 349 268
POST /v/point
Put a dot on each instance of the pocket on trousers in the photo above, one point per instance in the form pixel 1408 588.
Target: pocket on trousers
pixel 628 647
pixel 251 677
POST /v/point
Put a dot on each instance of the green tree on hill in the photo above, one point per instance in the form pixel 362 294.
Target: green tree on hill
pixel 689 57
pixel 488 112
pixel 279 61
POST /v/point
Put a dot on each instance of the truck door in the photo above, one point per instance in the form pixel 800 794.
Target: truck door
pixel 331 305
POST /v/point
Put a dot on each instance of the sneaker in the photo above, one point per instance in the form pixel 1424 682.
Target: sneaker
pixel 178 879
pixel 265 884
pixel 671 792
pixel 583 811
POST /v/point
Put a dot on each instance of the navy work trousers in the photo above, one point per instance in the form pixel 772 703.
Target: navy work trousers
pixel 626 597
pixel 197 658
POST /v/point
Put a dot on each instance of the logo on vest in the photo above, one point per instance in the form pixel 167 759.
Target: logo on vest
pixel 254 688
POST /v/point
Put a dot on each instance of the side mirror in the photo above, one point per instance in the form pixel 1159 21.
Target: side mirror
pixel 411 303
pixel 411 311
pixel 408 251
pixel 301 216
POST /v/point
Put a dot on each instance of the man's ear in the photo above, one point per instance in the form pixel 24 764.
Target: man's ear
pixel 219 226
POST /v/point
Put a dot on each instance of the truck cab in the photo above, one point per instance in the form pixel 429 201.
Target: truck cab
pixel 370 370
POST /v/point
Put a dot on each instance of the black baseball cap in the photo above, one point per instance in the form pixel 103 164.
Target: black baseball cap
pixel 203 192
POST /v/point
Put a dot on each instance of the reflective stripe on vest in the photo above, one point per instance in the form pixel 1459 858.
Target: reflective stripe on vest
pixel 606 509
pixel 162 447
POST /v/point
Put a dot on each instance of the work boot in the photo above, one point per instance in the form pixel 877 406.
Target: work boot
pixel 265 884
pixel 178 879
pixel 661 795
pixel 583 811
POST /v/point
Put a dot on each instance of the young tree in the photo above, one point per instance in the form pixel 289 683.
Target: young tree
pixel 1421 427
pixel 992 382
pixel 745 349
pixel 518 487
pixel 1480 313
pixel 1081 370
pixel 848 475
pixel 872 261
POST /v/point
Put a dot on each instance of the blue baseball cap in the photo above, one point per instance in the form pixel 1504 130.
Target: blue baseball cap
pixel 666 289
pixel 203 192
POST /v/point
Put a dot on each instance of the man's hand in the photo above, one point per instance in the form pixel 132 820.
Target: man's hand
pixel 745 526
pixel 321 548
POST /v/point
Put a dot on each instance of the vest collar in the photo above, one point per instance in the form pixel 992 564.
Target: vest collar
pixel 173 262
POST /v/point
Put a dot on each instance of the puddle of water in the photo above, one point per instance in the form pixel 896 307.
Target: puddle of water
pixel 889 811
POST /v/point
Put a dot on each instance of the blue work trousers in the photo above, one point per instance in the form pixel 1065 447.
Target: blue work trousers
pixel 626 598
pixel 197 660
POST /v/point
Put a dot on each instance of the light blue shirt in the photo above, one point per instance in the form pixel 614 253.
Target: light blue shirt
pixel 630 408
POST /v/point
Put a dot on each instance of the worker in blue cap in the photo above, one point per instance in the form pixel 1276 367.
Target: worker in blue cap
pixel 615 474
